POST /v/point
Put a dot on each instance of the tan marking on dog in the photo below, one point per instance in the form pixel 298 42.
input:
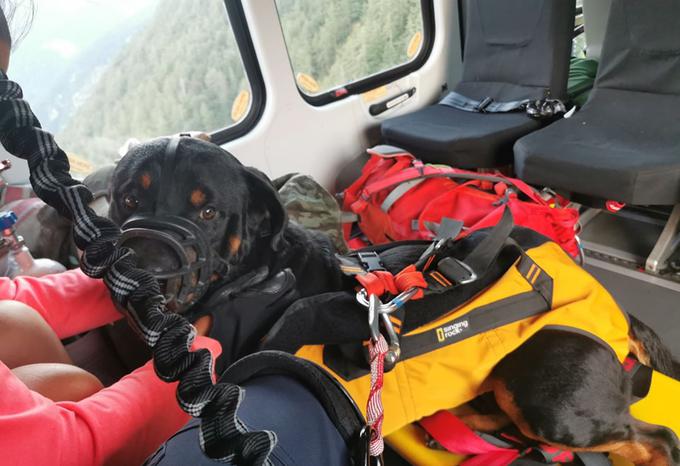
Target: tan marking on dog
pixel 636 347
pixel 197 197
pixel 506 401
pixel 234 244
pixel 486 422
pixel 145 180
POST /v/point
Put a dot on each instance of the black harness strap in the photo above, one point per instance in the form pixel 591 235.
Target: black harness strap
pixel 481 258
pixel 641 377
pixel 449 271
pixel 345 362
pixel 540 281
pixel 475 322
pixel 482 319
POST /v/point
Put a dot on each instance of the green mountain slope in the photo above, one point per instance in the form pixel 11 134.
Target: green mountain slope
pixel 183 71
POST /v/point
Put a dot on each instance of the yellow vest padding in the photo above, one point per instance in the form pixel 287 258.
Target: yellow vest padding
pixel 660 406
pixel 452 375
pixel 410 443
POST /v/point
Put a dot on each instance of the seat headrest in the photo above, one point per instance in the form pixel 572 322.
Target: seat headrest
pixel 519 31
pixel 516 50
pixel 641 50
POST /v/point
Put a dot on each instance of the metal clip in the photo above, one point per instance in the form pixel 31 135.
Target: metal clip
pixel 394 351
pixel 387 308
pixel 360 451
pixel 379 310
pixel 374 305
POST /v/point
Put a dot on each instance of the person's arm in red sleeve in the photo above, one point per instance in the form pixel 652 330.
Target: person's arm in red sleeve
pixel 122 424
pixel 70 302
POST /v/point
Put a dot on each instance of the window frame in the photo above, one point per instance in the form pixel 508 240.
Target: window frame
pixel 251 66
pixel 381 78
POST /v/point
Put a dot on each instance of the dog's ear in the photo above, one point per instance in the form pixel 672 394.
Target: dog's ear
pixel 266 214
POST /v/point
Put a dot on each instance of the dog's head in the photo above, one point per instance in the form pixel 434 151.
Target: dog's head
pixel 194 214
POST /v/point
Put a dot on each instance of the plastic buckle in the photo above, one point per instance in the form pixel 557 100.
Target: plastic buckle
pixel 481 108
pixel 370 261
pixel 456 271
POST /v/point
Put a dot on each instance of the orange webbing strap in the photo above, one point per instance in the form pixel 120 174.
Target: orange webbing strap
pixel 380 282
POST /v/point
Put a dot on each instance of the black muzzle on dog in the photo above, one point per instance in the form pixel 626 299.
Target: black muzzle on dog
pixel 178 254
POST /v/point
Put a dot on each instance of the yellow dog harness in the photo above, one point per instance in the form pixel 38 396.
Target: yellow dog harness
pixel 460 349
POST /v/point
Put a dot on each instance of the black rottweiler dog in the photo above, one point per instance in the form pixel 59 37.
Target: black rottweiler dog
pixel 236 206
pixel 236 211
pixel 558 388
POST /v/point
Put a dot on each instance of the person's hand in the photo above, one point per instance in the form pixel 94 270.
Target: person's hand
pixel 203 325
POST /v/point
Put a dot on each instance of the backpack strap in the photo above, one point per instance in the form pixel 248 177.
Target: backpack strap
pixel 429 171
pixel 339 406
pixel 497 450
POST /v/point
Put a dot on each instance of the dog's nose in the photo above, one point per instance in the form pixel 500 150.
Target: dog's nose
pixel 154 256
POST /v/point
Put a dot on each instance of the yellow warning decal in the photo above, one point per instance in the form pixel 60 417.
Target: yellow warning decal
pixel 374 94
pixel 308 83
pixel 79 165
pixel 414 44
pixel 240 105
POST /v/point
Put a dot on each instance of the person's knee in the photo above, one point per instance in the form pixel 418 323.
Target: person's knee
pixel 59 382
pixel 26 338
pixel 18 313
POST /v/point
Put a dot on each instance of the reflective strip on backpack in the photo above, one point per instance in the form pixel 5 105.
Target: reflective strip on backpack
pixel 398 192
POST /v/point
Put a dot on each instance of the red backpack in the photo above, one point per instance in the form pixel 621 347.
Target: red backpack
pixel 397 197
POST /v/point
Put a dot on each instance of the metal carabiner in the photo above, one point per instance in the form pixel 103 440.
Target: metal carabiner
pixel 378 310
pixel 394 352
pixel 387 308
pixel 374 305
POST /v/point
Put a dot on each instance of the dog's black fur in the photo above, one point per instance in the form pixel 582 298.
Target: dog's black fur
pixel 250 229
pixel 567 389
pixel 559 388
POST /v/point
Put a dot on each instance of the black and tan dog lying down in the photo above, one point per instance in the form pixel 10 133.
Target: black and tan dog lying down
pixel 214 232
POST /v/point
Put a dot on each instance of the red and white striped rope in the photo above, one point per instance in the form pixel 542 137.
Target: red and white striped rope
pixel 374 408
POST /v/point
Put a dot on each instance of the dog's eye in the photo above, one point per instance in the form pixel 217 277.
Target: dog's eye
pixel 130 202
pixel 208 213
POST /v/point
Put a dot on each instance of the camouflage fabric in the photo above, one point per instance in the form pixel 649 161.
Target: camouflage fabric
pixel 308 204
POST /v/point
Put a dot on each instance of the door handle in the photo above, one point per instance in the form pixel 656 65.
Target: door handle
pixel 380 107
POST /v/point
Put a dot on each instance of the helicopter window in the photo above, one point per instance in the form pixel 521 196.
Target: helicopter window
pixel 99 73
pixel 579 49
pixel 332 44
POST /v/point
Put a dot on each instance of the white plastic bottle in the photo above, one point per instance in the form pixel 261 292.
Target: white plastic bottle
pixel 20 261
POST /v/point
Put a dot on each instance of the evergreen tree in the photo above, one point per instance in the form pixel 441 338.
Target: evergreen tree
pixel 183 70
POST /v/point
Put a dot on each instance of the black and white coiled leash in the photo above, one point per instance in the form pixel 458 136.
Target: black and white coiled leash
pixel 223 436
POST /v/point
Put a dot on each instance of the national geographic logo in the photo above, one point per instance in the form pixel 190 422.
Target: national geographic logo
pixel 443 333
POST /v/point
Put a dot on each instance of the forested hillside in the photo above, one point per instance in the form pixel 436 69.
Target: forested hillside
pixel 183 70
pixel 341 41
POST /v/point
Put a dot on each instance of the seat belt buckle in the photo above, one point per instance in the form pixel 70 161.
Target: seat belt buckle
pixel 456 271
pixel 370 261
pixel 481 108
